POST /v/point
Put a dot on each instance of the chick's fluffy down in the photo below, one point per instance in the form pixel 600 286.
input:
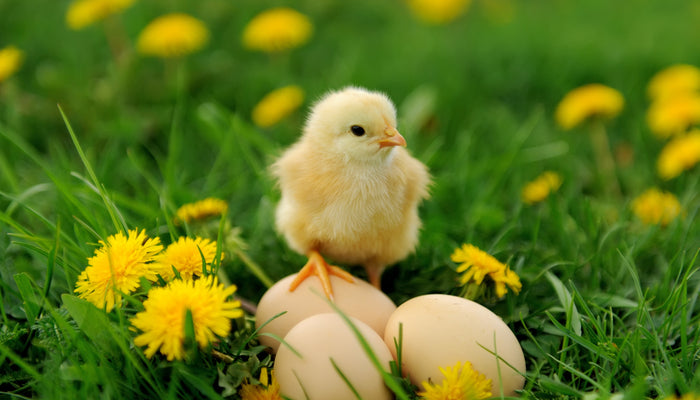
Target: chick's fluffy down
pixel 344 196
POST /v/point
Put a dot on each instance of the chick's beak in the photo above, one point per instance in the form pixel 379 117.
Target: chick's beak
pixel 392 137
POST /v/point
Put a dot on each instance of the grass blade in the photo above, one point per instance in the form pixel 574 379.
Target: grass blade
pixel 29 297
pixel 389 379
pixel 345 379
pixel 118 221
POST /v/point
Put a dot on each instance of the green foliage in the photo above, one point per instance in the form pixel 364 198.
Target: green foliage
pixel 608 305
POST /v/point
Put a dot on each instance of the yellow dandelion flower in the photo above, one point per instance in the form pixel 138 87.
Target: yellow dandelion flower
pixel 172 35
pixel 83 13
pixel 200 210
pixel 656 207
pixel 477 264
pixel 687 396
pixel 184 255
pixel 10 60
pixel 539 189
pixel 276 30
pixel 276 105
pixel 459 383
pixel 674 80
pixel 264 391
pixel 552 178
pixel 504 279
pixel 162 322
pixel 535 191
pixel 438 12
pixel 117 267
pixel 678 155
pixel 592 100
pixel 674 115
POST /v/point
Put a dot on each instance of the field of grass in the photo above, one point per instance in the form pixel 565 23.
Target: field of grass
pixel 609 304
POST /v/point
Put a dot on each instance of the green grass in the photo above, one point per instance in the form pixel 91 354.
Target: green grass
pixel 608 305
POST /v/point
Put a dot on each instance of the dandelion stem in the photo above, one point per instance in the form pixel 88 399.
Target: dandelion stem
pixel 604 159
pixel 222 357
pixel 117 39
pixel 472 291
pixel 247 305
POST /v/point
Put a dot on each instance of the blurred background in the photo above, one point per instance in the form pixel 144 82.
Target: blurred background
pixel 508 54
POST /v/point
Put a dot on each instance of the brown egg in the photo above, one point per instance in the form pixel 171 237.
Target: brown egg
pixel 321 341
pixel 440 330
pixel 358 299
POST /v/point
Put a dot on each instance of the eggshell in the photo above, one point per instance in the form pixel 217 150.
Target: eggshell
pixel 323 337
pixel 440 330
pixel 358 299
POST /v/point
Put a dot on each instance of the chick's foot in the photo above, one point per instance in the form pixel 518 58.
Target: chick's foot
pixel 319 267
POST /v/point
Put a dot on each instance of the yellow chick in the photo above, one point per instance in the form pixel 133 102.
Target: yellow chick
pixel 350 190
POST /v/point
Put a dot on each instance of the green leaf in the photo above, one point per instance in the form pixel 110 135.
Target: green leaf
pixel 19 361
pixel 190 339
pixel 236 373
pixel 572 315
pixel 554 386
pixel 202 384
pixel 92 321
pixel 32 302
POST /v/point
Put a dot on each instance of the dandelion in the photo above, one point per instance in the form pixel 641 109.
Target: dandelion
pixel 277 29
pixel 504 279
pixel 438 12
pixel 184 255
pixel 276 105
pixel 83 13
pixel 162 322
pixel 673 116
pixel 10 60
pixel 477 265
pixel 461 382
pixel 172 35
pixel 592 100
pixel 200 210
pixel 656 207
pixel 674 80
pixel 117 267
pixel 678 155
pixel 267 390
pixel 598 102
pixel 687 396
pixel 539 189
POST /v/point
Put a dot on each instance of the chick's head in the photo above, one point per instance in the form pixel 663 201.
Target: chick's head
pixel 356 124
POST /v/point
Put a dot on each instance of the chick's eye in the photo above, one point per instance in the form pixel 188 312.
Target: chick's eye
pixel 357 130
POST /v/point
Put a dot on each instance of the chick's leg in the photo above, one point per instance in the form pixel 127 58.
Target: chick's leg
pixel 374 274
pixel 319 267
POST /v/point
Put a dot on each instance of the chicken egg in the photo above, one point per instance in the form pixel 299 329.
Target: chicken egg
pixel 358 299
pixel 323 345
pixel 440 330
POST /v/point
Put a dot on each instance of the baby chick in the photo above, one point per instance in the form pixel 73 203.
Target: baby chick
pixel 350 190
